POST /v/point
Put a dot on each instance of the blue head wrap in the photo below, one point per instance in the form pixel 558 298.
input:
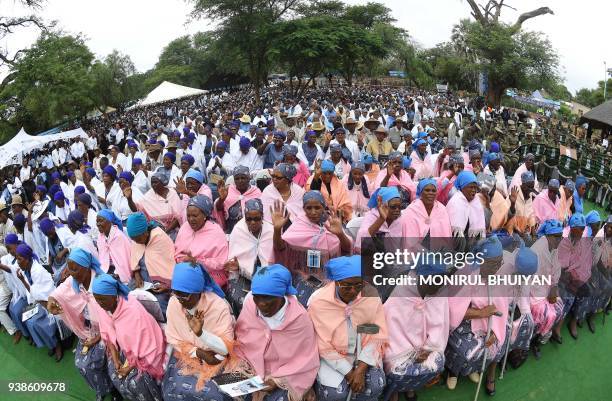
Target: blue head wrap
pixel 577 220
pixel 203 203
pixel 406 162
pixel 70 174
pixel 423 183
pixel 418 143
pixel 490 247
pixel 84 259
pixel 316 195
pixel 290 150
pixel 367 159
pixel 46 226
pixel 126 175
pixel 569 184
pixel 19 220
pixel 59 196
pixel 253 204
pixel 527 177
pixel 335 147
pixel 110 170
pixel 76 221
pixel 327 166
pixel 85 199
pixel 196 175
pixel 108 214
pixel 41 189
pixel 25 251
pixel 137 161
pixel 55 176
pixel 554 183
pixel 92 172
pixel 430 269
pixel 273 280
pixel 592 217
pixel 580 181
pixel 343 267
pixel 526 261
pixel 192 279
pixel 241 170
pixel 170 156
pixel 11 239
pixel 494 147
pixel 105 284
pixel 386 193
pixel 244 143
pixel 136 224
pixel 287 170
pixel 358 166
pixel 493 156
pixel 222 145
pixel 464 179
pixel 79 190
pixel 280 134
pixel 188 158
pixel 550 227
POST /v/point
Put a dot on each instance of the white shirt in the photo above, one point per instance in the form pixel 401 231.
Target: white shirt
pixel 77 150
pixel 251 160
pixel 92 143
pixel 352 147
pixel 24 173
pixel 227 161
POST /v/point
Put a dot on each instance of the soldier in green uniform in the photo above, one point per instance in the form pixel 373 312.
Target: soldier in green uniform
pixel 509 143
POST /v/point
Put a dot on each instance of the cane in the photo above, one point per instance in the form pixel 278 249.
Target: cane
pixel 501 375
pixel 486 350
pixel 366 328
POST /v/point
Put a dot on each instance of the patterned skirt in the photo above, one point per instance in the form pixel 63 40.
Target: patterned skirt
pixel 92 366
pixel 374 386
pixel 412 376
pixel 136 386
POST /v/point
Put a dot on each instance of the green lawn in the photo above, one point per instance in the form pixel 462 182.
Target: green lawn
pixel 575 371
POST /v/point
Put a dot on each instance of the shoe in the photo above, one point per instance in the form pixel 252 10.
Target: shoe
pixel 17 337
pixel 408 398
pixel 489 391
pixel 574 332
pixel 590 324
pixel 451 382
pixel 59 353
pixel 474 377
pixel 556 338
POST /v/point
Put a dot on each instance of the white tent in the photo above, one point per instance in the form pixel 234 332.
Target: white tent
pixel 167 91
pixel 12 151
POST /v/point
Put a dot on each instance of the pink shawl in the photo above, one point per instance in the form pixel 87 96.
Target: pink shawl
pixel 418 223
pixel 444 189
pixel 338 200
pixel 73 304
pixel 516 179
pixel 577 259
pixel 287 354
pixel 404 181
pixel 294 204
pixel 415 324
pixel 499 210
pixel 302 173
pixel 208 245
pixel 329 316
pixel 423 167
pixel 246 248
pixel 544 209
pixel 234 196
pixel 162 210
pixel 158 254
pixel 204 190
pixel 116 250
pixel 392 231
pixel 460 212
pixel 566 205
pixel 136 333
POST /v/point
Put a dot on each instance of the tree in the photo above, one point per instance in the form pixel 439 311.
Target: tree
pixel 248 27
pixel 111 83
pixel 593 97
pixel 51 83
pixel 358 47
pixel 506 53
pixel 9 25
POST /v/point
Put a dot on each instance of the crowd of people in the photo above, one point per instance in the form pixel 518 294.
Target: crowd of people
pixel 210 235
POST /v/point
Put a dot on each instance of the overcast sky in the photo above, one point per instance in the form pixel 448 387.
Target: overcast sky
pixel 579 30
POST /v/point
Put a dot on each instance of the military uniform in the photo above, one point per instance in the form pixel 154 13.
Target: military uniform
pixel 509 143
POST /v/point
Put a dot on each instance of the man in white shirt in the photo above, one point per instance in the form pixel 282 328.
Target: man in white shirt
pixel 248 157
pixel 77 149
pixel 222 163
pixel 25 171
pixel 340 139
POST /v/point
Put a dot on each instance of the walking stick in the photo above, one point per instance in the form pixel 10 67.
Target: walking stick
pixel 486 350
pixel 501 375
pixel 366 328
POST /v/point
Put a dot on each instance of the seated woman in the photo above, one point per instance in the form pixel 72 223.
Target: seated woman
pixel 312 239
pixel 426 216
pixel 57 248
pixel 169 169
pixel 73 302
pixel 108 188
pixel 418 322
pixel 333 190
pixel 465 210
pixel 201 330
pixel 275 336
pixel 134 341
pixel 527 166
pixel 290 157
pixel 62 207
pixel 337 310
pixel 478 323
pixel 421 159
pixel 283 190
pixel 201 240
pixel 383 219
pixel 84 205
pixel 113 246
pixel 229 207
pixel 162 205
pixel 394 175
pixel 11 289
pixel 190 186
pixel 359 188
pixel 494 204
pixel 151 257
pixel 339 160
pixel 371 169
pixel 446 181
pixel 124 202
pixel 250 247
pixel 37 286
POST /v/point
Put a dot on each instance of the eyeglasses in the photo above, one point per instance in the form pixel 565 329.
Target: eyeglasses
pixel 181 297
pixel 357 287
pixel 252 219
pixel 277 177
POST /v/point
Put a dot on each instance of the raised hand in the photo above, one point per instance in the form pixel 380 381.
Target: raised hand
pixel 223 190
pixel 335 223
pixel 390 169
pixel 195 322
pixel 180 186
pixel 231 265
pixel 279 215
pixel 514 194
pixel 127 192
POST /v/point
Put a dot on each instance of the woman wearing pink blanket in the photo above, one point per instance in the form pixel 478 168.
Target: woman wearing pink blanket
pixel 336 311
pixel 114 247
pixel 162 204
pixel 135 342
pixel 359 188
pixel 229 207
pixel 310 241
pixel 190 186
pixel 201 240
pixel 284 191
pixel 275 336
pixel 547 204
pixel 426 216
pixel 395 176
pixel 384 218
pixel 465 210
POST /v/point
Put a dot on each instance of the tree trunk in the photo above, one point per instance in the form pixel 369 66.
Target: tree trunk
pixel 494 93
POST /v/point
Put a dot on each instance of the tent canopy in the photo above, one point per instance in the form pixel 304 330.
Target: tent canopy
pixel 167 91
pixel 599 116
